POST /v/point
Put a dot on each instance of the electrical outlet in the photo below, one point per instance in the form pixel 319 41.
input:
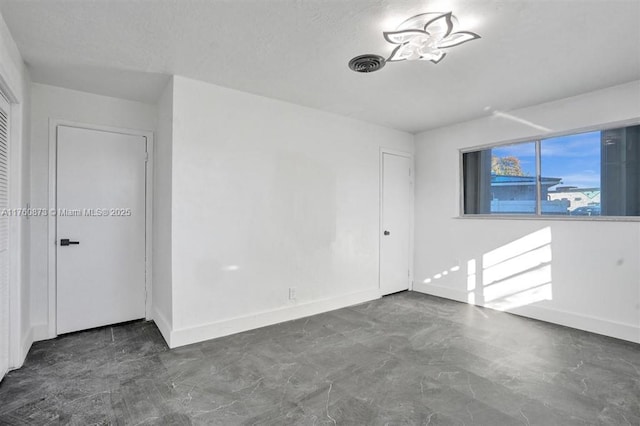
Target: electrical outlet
pixel 292 293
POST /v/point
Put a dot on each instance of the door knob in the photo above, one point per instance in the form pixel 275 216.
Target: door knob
pixel 66 242
pixel 387 232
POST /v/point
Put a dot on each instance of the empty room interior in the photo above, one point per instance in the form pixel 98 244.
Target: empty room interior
pixel 354 212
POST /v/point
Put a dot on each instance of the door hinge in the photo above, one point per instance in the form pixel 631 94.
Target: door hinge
pixel 146 156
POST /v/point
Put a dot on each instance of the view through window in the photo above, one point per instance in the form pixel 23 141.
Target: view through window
pixel 585 174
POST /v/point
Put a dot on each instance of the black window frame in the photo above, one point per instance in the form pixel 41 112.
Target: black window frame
pixel 537 140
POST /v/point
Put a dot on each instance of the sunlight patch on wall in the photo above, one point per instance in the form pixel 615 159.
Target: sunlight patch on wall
pixel 230 268
pixel 471 281
pixel 511 292
pixel 518 247
pixel 516 265
pixel 518 273
pixel 439 275
pixel 513 275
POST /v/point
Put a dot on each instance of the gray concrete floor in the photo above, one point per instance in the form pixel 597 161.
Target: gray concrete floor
pixel 405 359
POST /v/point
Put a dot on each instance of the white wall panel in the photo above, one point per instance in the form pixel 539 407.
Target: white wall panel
pixel 589 271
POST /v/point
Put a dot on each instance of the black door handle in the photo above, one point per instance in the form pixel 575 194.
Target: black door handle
pixel 387 232
pixel 66 242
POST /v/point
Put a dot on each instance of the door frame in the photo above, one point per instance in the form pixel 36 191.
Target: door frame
pixel 51 220
pixel 410 156
pixel 17 346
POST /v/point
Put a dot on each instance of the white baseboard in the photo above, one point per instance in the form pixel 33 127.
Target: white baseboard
pixel 226 327
pixel 570 319
pixel 163 325
pixel 582 322
pixel 444 292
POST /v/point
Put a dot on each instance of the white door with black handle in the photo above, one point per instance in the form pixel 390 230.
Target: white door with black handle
pixel 395 241
pixel 100 228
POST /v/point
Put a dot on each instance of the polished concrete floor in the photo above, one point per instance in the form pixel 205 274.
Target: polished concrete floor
pixel 407 359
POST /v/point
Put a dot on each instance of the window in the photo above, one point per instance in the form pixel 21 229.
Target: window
pixel 585 174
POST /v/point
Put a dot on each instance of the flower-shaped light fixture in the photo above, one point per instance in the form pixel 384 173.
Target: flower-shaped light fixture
pixel 424 37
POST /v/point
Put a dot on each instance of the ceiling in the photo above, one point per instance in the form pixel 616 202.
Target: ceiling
pixel 531 51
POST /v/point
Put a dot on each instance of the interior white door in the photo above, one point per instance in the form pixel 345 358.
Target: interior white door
pixel 396 223
pixel 4 237
pixel 100 244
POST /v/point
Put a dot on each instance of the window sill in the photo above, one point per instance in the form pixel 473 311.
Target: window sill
pixel 551 218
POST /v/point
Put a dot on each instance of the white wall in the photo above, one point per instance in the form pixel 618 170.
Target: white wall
pixel 14 82
pixel 266 196
pixel 162 290
pixel 26 333
pixel 49 102
pixel 594 267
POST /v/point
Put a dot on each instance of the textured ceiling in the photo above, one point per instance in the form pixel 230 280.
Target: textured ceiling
pixel 531 51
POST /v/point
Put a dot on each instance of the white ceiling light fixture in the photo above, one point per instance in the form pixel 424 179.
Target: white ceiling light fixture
pixel 424 37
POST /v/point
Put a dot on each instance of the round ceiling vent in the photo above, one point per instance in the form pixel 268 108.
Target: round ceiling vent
pixel 367 63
